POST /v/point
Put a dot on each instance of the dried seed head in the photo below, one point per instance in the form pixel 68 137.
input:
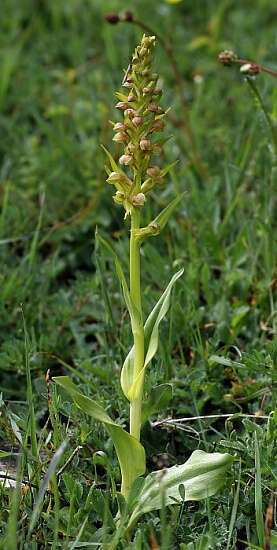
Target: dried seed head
pixel 112 18
pixel 146 144
pixel 227 57
pixel 128 16
pixel 126 160
pixel 139 199
pixel 121 105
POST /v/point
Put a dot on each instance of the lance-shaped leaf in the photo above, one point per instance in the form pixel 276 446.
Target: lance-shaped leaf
pixel 134 314
pixel 165 170
pixel 163 217
pixel 156 226
pixel 130 452
pixel 201 476
pixel 132 386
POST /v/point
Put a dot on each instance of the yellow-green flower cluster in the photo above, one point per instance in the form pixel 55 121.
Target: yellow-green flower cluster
pixel 142 121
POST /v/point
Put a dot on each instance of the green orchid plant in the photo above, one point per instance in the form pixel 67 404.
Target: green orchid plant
pixel 133 177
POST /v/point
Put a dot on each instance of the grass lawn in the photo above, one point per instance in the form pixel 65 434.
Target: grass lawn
pixel 212 385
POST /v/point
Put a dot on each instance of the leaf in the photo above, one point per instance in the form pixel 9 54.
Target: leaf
pixel 240 312
pixel 130 452
pixel 165 170
pixel 45 482
pixel 112 161
pixel 157 400
pixel 202 476
pixel 133 311
pixel 258 496
pixel 130 386
pixel 162 218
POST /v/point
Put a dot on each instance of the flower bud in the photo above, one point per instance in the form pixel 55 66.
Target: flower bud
pixel 131 98
pixel 119 137
pixel 127 84
pixel 126 159
pixel 112 18
pixel 153 171
pixel 115 177
pixel 119 197
pixel 146 72
pixel 121 105
pixel 120 126
pixel 147 91
pixel 148 41
pixel 158 150
pixel 158 125
pixel 158 91
pixel 147 185
pixel 143 52
pixel 131 147
pixel 137 120
pixel 138 200
pixel 153 107
pixel 129 113
pixel 146 144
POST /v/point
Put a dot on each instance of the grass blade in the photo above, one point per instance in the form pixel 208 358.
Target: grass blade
pixel 50 472
pixel 258 496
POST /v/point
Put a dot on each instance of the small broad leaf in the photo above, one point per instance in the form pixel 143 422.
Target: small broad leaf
pixel 132 386
pixel 202 476
pixel 157 400
pixel 163 217
pixel 130 452
pixel 134 314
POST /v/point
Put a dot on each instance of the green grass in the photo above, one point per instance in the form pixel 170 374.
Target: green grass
pixel 60 64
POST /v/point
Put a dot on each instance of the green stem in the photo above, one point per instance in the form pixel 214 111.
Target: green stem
pixel 264 109
pixel 138 332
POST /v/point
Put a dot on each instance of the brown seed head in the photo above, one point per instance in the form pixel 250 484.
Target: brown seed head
pixel 112 18
pixel 128 16
pixel 227 57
